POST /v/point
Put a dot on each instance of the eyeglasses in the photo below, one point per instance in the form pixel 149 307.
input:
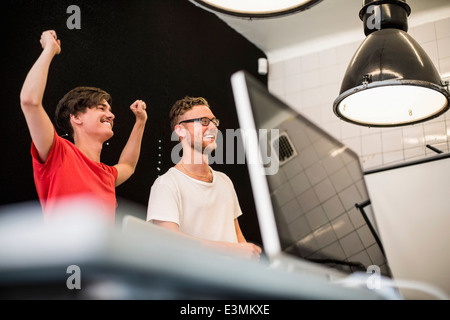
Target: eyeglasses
pixel 204 121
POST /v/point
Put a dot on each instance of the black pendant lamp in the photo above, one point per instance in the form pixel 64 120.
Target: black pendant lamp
pixel 390 80
pixel 255 9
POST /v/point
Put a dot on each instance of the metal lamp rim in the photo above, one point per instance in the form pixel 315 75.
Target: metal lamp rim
pixel 261 15
pixel 395 82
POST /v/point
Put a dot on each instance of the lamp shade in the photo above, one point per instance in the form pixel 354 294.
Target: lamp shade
pixel 256 8
pixel 391 81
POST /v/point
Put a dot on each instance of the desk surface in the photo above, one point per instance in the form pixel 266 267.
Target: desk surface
pixel 147 263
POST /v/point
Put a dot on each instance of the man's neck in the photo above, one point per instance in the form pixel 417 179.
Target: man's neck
pixel 195 161
pixel 90 148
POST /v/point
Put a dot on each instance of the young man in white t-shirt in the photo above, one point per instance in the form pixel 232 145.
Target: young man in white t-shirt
pixel 193 199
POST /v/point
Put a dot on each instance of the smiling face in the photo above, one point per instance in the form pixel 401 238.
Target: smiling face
pixel 76 102
pixel 200 138
pixel 97 120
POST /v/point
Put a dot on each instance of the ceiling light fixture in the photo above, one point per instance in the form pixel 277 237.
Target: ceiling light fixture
pixel 390 80
pixel 256 8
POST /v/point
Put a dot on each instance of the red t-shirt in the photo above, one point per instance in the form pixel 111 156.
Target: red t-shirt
pixel 68 173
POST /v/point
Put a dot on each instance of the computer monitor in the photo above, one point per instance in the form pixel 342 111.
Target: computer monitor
pixel 309 188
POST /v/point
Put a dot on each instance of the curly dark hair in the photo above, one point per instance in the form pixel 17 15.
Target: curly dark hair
pixel 182 106
pixel 77 100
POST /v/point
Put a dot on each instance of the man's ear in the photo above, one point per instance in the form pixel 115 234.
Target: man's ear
pixel 180 131
pixel 75 118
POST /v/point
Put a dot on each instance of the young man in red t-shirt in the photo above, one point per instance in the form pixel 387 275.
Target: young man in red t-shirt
pixel 62 169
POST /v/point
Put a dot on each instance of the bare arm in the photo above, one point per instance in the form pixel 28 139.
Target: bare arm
pixel 242 249
pixel 239 234
pixel 39 124
pixel 130 154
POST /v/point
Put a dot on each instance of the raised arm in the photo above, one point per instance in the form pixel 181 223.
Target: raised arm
pixel 130 153
pixel 39 124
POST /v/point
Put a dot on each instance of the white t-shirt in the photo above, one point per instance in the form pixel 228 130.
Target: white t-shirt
pixel 201 209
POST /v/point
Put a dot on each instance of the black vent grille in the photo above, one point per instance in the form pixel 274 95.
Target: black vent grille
pixel 284 148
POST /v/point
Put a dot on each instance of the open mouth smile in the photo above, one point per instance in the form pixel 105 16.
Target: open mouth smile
pixel 107 122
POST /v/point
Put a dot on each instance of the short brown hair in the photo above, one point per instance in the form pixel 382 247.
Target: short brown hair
pixel 182 106
pixel 77 100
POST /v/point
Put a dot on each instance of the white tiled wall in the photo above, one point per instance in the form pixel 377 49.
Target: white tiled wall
pixel 310 83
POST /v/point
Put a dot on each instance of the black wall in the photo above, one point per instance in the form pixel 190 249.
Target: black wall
pixel 158 51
